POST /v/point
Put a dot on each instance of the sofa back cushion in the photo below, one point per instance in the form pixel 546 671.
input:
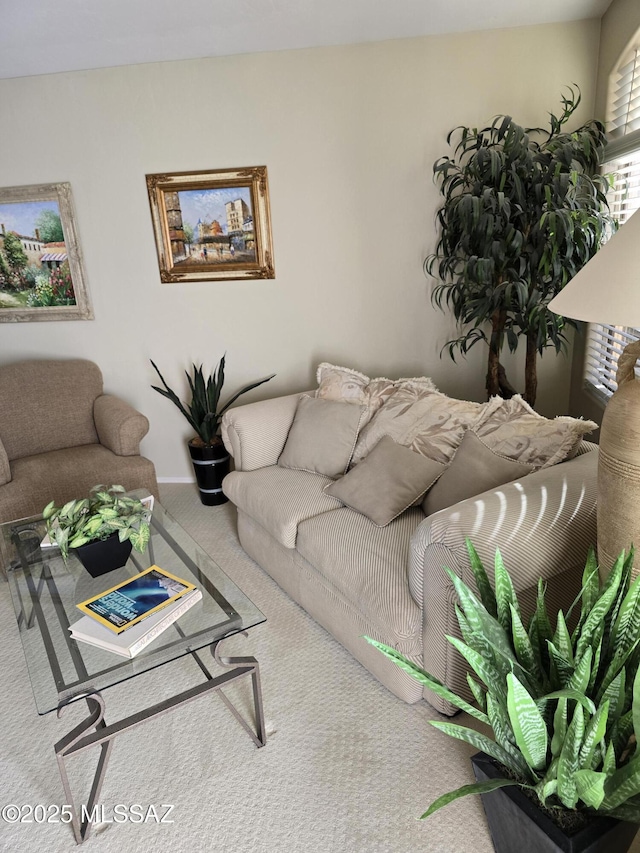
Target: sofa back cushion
pixel 422 419
pixel 512 428
pixel 47 405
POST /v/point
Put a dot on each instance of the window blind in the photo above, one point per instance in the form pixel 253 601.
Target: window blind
pixel 605 343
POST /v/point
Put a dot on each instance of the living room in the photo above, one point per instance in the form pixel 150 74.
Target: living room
pixel 349 128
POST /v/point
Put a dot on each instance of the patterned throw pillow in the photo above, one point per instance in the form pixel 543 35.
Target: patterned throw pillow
pixel 418 417
pixel 512 428
pixel 344 385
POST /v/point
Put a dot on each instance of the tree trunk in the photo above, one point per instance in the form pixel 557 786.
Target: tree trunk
pixel 498 320
pixel 507 391
pixel 530 368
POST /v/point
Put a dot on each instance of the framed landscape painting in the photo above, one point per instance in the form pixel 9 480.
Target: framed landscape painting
pixel 41 271
pixel 212 225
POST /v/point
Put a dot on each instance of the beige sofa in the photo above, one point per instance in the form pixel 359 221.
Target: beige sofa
pixel 357 579
pixel 60 435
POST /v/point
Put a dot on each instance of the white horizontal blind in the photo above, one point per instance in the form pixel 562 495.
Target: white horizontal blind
pixel 605 343
pixel 624 97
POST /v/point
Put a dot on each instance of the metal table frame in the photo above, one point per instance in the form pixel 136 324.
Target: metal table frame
pixel 94 730
pixel 81 737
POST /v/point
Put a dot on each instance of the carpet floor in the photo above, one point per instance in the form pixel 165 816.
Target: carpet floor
pixel 347 766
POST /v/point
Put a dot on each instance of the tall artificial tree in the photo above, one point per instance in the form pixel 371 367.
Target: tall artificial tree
pixel 523 210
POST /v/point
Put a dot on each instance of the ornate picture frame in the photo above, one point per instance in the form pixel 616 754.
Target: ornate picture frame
pixel 41 270
pixel 212 225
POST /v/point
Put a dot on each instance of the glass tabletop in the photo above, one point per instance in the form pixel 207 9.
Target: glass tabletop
pixel 45 592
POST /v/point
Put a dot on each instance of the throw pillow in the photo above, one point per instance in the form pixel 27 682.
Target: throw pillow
pixel 350 386
pixel 322 436
pixel 475 469
pixel 512 428
pixel 428 422
pixel 391 479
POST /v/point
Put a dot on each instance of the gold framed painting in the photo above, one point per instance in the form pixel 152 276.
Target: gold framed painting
pixel 212 225
pixel 41 270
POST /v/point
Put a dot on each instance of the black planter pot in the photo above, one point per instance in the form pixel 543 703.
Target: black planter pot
pixel 515 822
pixel 104 555
pixel 211 466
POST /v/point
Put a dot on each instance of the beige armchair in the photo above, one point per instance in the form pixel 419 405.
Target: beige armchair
pixel 60 435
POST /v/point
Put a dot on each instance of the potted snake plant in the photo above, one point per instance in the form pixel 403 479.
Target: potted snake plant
pixel 204 413
pixel 562 771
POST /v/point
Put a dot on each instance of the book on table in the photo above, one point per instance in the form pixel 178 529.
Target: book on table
pixel 133 600
pixel 132 641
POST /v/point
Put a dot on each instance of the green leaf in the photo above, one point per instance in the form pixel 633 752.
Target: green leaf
pixel 568 760
pixel 485 589
pixel 590 787
pixel 505 593
pixel 428 680
pixel 562 638
pixel 623 784
pixel 580 678
pixel 479 693
pixel 523 647
pixel 560 725
pixel 609 760
pixel 482 742
pixel 527 723
pixel 140 538
pixel 479 618
pixel 464 791
pixel 600 608
pixel 594 735
pixel 636 705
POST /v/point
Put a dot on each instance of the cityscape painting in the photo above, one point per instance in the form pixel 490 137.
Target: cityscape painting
pixel 41 275
pixel 212 225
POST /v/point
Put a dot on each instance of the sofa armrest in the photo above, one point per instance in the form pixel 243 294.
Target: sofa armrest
pixel 120 427
pixel 543 525
pixel 5 468
pixel 255 434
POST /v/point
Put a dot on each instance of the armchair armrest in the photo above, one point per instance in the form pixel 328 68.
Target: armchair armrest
pixel 5 468
pixel 255 434
pixel 543 525
pixel 120 427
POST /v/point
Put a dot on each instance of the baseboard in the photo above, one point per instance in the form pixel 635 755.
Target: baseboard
pixel 176 479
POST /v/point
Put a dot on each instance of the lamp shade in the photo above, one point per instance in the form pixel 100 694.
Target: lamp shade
pixel 607 288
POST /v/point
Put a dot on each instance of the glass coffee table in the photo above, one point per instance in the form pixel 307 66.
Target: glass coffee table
pixel 62 670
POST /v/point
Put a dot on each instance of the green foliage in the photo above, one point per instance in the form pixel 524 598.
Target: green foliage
pixel 49 227
pixel 564 708
pixel 14 252
pixel 204 412
pixel 523 210
pixel 107 509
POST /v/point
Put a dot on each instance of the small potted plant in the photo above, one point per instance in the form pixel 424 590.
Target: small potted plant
pixel 101 528
pixel 562 772
pixel 204 413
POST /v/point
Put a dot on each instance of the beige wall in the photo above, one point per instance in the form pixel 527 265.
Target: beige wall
pixel 619 29
pixel 349 136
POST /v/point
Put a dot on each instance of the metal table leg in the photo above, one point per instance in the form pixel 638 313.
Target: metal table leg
pixel 81 738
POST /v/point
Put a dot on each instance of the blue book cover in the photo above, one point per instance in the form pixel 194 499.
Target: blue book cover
pixel 127 603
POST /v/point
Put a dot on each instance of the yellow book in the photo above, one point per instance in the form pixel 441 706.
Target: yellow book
pixel 132 600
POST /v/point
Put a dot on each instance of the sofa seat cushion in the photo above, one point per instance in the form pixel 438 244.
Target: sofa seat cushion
pixel 62 475
pixel 367 566
pixel 279 498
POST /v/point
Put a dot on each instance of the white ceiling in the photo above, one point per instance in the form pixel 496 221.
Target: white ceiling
pixel 46 36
